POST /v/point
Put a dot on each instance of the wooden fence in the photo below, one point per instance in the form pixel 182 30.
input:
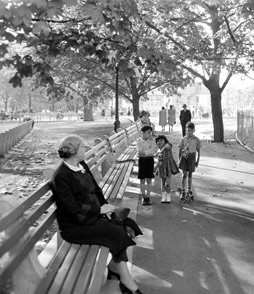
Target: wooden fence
pixel 245 128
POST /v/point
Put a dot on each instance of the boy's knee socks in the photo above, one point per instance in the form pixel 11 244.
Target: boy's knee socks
pixel 143 189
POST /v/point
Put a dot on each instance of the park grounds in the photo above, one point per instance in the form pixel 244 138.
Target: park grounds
pixel 206 247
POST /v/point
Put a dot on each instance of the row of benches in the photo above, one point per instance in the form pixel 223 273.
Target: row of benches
pixel 11 137
pixel 61 267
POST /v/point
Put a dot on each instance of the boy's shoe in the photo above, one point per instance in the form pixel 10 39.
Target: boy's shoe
pixel 146 201
pixel 182 197
pixel 190 195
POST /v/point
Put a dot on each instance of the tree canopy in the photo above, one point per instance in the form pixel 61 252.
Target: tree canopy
pixel 151 43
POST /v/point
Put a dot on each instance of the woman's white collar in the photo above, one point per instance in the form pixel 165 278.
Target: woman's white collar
pixel 75 168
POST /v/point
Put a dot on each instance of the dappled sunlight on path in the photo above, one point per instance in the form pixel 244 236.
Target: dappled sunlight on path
pixel 205 247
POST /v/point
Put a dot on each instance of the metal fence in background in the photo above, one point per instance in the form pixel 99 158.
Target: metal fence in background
pixel 245 127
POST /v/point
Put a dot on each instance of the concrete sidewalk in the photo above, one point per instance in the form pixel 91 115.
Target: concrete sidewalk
pixel 204 247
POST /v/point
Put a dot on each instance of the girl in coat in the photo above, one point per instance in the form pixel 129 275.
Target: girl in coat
pixel 166 167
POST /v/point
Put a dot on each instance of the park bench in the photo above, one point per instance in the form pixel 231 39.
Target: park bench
pixel 61 267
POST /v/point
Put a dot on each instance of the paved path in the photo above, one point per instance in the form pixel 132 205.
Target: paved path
pixel 204 247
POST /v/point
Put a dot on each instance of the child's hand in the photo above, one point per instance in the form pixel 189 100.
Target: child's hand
pixel 196 164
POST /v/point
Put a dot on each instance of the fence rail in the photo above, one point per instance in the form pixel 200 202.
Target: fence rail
pixel 11 137
pixel 245 128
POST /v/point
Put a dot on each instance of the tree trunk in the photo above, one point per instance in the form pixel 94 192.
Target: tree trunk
pixel 135 106
pixel 218 128
pixel 88 114
pixel 213 85
pixel 87 110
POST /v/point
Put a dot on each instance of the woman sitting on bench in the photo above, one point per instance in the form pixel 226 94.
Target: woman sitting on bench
pixel 84 216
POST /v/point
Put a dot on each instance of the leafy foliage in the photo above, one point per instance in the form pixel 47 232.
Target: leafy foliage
pixel 205 37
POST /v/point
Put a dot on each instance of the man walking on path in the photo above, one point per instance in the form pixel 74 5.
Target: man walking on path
pixel 185 116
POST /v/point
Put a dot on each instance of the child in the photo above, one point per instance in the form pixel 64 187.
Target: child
pixel 166 167
pixel 146 148
pixel 145 120
pixel 188 146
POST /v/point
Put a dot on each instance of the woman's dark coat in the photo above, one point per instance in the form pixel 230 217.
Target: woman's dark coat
pixel 78 199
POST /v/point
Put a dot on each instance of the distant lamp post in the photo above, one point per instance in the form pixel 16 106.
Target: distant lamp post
pixel 117 122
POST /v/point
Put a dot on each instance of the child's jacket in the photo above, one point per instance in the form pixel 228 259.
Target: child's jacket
pixel 166 162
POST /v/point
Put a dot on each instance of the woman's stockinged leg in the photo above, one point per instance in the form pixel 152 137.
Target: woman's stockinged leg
pixel 122 269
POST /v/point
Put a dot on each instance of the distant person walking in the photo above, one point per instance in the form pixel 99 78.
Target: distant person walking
pixel 162 118
pixel 185 116
pixel 171 117
pixel 188 147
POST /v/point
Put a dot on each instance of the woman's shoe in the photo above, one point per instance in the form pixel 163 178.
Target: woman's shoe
pixel 126 290
pixel 113 275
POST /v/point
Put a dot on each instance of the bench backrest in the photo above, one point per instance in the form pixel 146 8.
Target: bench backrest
pixel 20 233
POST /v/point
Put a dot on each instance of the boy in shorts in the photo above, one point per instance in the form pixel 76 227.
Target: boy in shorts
pixel 146 148
pixel 188 147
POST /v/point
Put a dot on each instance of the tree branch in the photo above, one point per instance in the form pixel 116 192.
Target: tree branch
pixel 155 87
pixel 145 78
pixel 229 30
pixel 195 73
pixel 166 35
pixel 59 21
pixel 111 87
pixel 229 75
pixel 76 91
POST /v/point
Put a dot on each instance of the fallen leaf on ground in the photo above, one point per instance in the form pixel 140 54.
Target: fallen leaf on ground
pixel 216 195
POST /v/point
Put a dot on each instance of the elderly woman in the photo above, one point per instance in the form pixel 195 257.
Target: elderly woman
pixel 83 213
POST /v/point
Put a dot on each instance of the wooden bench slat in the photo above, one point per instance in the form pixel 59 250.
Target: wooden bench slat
pixel 86 272
pixel 99 271
pixel 55 264
pixel 57 284
pixel 113 182
pixel 8 219
pixel 25 248
pixel 97 156
pixel 108 186
pixel 125 180
pixel 118 183
pixel 19 228
pixel 71 279
pixel 107 175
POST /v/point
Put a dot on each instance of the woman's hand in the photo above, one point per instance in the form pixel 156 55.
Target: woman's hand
pixel 107 209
